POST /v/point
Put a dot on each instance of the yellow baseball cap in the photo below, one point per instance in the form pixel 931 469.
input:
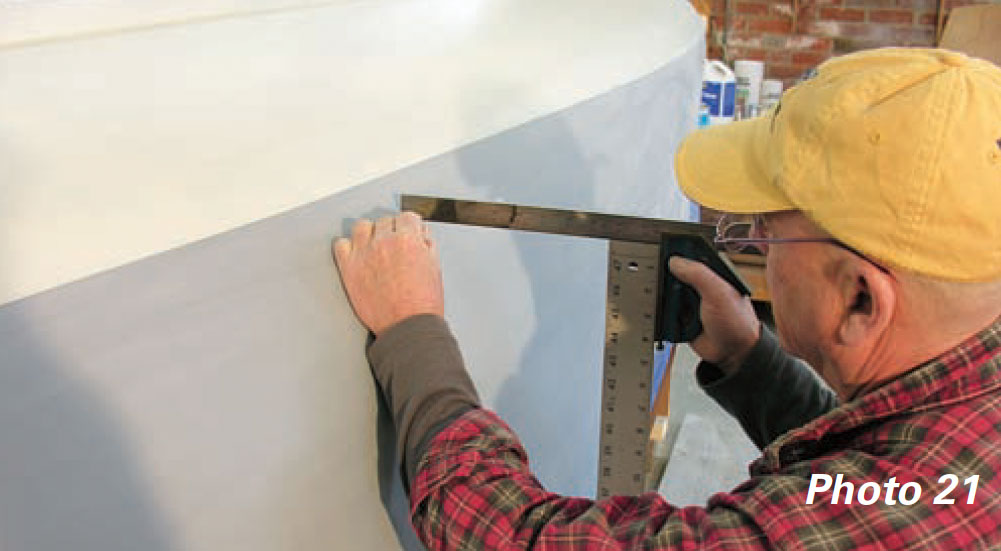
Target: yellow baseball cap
pixel 895 151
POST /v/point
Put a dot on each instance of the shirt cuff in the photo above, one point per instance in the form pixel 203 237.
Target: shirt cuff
pixel 713 380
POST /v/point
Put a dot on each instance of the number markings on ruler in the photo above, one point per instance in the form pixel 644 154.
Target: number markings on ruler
pixel 633 274
pixel 630 313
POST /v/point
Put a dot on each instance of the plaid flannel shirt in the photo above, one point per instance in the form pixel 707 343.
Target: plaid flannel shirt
pixel 474 489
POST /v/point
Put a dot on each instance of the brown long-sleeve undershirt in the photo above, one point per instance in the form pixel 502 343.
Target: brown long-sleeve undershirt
pixel 424 380
pixel 423 377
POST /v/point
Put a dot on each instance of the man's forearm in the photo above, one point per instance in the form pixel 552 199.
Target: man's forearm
pixel 420 370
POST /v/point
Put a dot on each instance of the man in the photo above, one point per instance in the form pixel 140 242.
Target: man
pixel 877 185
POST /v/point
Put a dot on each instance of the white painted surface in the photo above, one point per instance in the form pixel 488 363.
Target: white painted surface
pixel 25 22
pixel 216 396
pixel 125 143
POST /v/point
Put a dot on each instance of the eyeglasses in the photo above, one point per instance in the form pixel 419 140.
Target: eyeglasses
pixel 742 233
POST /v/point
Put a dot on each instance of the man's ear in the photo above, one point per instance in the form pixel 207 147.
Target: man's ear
pixel 868 300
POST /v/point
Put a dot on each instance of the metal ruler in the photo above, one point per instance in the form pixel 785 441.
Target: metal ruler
pixel 635 276
pixel 630 312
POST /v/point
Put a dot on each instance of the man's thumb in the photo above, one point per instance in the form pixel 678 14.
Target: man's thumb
pixel 696 274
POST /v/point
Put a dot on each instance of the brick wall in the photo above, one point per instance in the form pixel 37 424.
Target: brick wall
pixel 791 36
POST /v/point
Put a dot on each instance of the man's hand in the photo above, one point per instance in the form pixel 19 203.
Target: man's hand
pixel 390 271
pixel 729 326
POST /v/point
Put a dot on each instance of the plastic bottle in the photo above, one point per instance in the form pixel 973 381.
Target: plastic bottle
pixel 748 74
pixel 771 93
pixel 703 116
pixel 719 90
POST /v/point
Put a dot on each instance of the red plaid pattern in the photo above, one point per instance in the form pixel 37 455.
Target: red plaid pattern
pixel 474 489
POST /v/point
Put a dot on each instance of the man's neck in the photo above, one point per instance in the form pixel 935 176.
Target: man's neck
pixel 907 347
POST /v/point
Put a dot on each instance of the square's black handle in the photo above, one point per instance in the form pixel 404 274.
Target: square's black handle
pixel 678 303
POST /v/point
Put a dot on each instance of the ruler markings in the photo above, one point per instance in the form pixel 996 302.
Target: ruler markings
pixel 627 367
pixel 630 315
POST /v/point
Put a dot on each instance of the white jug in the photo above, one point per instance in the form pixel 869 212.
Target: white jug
pixel 719 89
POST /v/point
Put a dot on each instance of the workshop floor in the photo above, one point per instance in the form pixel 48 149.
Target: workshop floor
pixel 709 450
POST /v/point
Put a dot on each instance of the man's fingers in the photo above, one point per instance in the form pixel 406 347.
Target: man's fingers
pixel 687 270
pixel 361 233
pixel 700 276
pixel 433 247
pixel 342 248
pixel 384 226
pixel 408 222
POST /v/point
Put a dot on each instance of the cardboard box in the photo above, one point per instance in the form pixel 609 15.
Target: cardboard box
pixel 975 31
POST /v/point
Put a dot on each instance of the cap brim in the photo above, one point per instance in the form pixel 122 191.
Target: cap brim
pixel 726 168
